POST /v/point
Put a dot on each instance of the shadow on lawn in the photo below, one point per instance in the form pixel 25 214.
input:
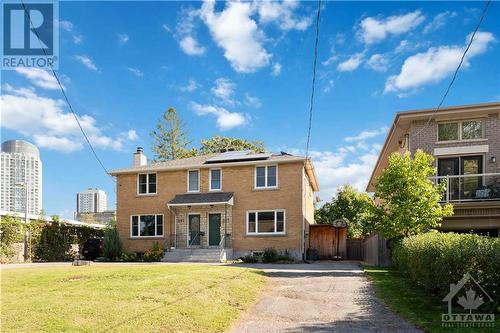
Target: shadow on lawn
pixel 180 299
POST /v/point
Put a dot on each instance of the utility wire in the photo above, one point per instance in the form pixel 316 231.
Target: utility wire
pixel 311 102
pixel 64 93
pixel 485 9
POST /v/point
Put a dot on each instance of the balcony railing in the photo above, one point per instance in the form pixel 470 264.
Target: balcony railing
pixel 466 188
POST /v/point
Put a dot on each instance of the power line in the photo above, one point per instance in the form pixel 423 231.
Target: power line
pixel 311 102
pixel 64 92
pixel 485 9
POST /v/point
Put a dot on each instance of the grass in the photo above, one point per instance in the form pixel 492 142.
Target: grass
pixel 410 302
pixel 142 298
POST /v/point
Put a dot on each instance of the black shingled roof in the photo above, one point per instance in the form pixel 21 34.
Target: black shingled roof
pixel 201 198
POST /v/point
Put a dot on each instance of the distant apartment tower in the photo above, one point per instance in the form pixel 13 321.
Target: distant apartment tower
pixel 92 200
pixel 20 166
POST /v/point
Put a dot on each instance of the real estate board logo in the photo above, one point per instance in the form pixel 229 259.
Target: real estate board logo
pixel 471 297
pixel 30 34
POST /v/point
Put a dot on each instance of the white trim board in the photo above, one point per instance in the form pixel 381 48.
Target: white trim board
pixel 476 149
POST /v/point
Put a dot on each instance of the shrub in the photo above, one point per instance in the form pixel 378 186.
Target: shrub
pixel 286 256
pixel 435 260
pixel 112 247
pixel 270 255
pixel 250 259
pixel 128 256
pixel 155 253
pixel 11 232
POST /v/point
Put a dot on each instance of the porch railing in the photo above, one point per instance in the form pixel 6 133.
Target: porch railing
pixel 470 188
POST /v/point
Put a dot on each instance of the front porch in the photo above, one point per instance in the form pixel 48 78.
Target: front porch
pixel 200 221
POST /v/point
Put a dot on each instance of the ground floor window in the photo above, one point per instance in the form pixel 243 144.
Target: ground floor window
pixel 266 222
pixel 147 225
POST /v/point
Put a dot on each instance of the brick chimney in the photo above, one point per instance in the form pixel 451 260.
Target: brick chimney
pixel 139 158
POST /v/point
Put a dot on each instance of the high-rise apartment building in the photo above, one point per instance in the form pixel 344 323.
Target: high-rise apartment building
pixel 92 200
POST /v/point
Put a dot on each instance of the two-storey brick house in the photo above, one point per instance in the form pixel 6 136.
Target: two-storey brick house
pixel 236 202
pixel 465 141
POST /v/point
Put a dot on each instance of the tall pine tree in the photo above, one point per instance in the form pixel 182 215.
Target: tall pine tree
pixel 170 139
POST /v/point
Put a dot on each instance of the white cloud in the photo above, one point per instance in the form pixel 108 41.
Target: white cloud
pixel 137 72
pixel 191 46
pixel 333 58
pixel 367 135
pixel 77 39
pixel 237 33
pixel 191 86
pixel 439 21
pixel 66 25
pixel 185 33
pixel 166 28
pixel 123 39
pixel 282 14
pixel 378 62
pixel 351 64
pixel 435 64
pixel 47 122
pixel 225 119
pixel 374 30
pixel 132 135
pixel 276 69
pixel 87 62
pixel 252 101
pixel 328 86
pixel 224 90
pixel 39 77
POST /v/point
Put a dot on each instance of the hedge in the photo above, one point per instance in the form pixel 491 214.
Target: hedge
pixel 435 260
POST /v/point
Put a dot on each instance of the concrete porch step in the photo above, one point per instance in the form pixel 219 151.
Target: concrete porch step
pixel 197 255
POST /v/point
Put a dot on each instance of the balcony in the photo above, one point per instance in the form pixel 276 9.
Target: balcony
pixel 470 188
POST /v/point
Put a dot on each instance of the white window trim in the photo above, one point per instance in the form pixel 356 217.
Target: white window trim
pixel 147 183
pixel 210 180
pixel 139 226
pixel 460 139
pixel 256 233
pixel 199 185
pixel 266 178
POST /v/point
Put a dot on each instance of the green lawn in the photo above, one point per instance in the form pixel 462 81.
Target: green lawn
pixel 145 298
pixel 410 302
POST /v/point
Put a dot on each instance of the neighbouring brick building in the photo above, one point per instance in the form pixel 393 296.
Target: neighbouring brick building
pixel 465 140
pixel 234 203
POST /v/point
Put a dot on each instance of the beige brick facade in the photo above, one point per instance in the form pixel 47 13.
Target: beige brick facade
pixel 294 195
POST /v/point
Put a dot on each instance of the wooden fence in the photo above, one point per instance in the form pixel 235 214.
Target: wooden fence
pixel 328 242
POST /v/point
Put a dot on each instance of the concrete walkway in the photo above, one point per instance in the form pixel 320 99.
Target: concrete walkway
pixel 319 297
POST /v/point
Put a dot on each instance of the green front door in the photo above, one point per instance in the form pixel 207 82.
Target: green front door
pixel 214 229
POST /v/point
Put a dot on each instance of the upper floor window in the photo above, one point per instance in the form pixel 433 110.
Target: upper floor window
pixel 146 183
pixel 215 179
pixel 193 180
pixel 146 225
pixel 460 130
pixel 266 222
pixel 266 176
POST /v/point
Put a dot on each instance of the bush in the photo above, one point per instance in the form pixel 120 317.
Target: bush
pixel 112 247
pixel 270 255
pixel 155 254
pixel 435 260
pixel 131 256
pixel 11 232
pixel 250 259
pixel 285 256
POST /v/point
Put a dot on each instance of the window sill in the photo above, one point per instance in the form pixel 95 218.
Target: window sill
pixel 266 188
pixel 145 237
pixel 460 141
pixel 220 190
pixel 281 234
pixel 146 195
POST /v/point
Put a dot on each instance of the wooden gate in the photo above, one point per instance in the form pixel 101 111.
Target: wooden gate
pixel 355 249
pixel 329 242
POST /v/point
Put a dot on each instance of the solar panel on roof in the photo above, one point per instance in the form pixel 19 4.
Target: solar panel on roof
pixel 241 155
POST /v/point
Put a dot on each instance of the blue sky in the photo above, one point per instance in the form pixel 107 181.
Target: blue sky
pixel 244 69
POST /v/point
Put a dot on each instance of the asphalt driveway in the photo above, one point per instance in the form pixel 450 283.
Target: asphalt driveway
pixel 319 297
